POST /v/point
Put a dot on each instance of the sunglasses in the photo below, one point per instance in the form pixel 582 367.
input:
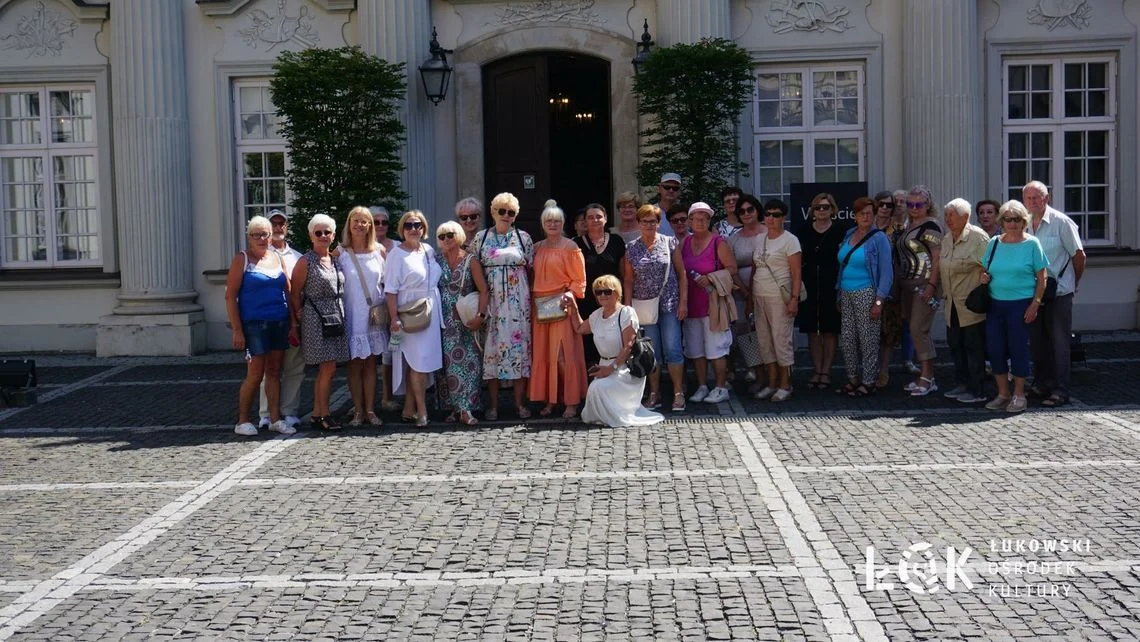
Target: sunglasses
pixel 378 222
pixel 671 188
pixel 678 220
pixel 446 236
pixel 322 233
pixel 506 213
pixel 278 223
pixel 915 205
pixel 469 217
pixel 261 236
pixel 886 204
pixel 822 207
pixel 747 209
pixel 605 292
pixel 1010 219
pixel 775 214
pixel 413 225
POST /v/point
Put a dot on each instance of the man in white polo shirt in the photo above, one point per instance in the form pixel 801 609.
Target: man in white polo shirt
pixel 293 367
pixel 1049 336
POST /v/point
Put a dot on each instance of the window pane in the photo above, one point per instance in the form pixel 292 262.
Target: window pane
pixel 254 165
pixel 1074 144
pixel 1098 103
pixel 250 99
pixel 1017 78
pixel 770 181
pixel 1017 106
pixel 20 119
pixel 1074 173
pixel 848 113
pixel 1041 104
pixel 1041 77
pixel 824 152
pixel 825 174
pixel 1097 75
pixel 848 174
pixel 1095 226
pixel 1018 145
pixel 254 192
pixel 276 192
pixel 1041 144
pixel 824 112
pixel 1041 170
pixel 1097 171
pixel 848 151
pixel 767 114
pixel 767 87
pixel 1018 174
pixel 1074 104
pixel 1074 76
pixel 847 84
pixel 791 86
pixel 1096 199
pixel 791 113
pixel 769 153
pixel 793 153
pixel 1097 143
pixel 1074 199
pixel 251 126
pixel 275 164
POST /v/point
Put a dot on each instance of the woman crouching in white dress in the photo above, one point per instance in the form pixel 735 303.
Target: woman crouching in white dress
pixel 614 396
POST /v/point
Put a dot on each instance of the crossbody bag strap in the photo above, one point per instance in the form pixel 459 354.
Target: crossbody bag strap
pixel 1062 272
pixel 360 274
pixel 990 262
pixel 668 266
pixel 858 245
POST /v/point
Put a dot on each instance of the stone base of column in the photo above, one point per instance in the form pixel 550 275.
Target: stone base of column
pixel 151 335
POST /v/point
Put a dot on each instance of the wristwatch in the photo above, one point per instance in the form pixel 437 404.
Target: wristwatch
pixel 879 302
pixel 1037 300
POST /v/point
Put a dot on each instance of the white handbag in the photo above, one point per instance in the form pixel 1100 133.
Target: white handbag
pixel 648 309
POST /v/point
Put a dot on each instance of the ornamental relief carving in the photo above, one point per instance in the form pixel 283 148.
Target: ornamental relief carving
pixel 280 28
pixel 785 16
pixel 41 33
pixel 562 11
pixel 1058 13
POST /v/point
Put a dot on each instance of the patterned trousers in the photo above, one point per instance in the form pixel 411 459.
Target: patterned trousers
pixel 860 335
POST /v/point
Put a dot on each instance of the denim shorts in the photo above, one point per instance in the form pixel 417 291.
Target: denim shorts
pixel 666 338
pixel 265 336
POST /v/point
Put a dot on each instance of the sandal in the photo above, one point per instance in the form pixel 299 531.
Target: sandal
pixel 372 419
pixel 883 380
pixel 824 381
pixel 814 381
pixel 466 419
pixel 546 411
pixel 323 423
pixel 570 412
pixel 405 419
pixel 679 402
pixel 357 419
pixel 921 390
pixel 421 421
pixel 652 403
pixel 492 414
pixel 862 390
pixel 390 406
pixel 523 412
pixel 450 419
pixel 848 389
pixel 1054 401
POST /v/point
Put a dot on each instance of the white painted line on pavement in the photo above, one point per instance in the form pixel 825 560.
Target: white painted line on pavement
pixel 64 390
pixel 18 488
pixel 829 580
pixel 442 578
pixel 996 465
pixel 1119 423
pixel 164 382
pixel 45 595
pixel 83 430
pixel 493 477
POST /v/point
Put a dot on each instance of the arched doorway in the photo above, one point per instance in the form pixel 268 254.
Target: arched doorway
pixel 546 132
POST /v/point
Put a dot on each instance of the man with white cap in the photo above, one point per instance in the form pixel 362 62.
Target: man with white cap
pixel 293 367
pixel 668 193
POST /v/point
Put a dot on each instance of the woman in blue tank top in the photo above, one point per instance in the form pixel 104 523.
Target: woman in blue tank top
pixel 257 304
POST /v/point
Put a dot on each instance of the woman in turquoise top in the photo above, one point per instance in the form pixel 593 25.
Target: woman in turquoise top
pixel 1015 271
pixel 865 276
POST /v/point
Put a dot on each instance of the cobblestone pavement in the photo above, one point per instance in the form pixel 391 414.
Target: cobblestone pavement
pixel 130 510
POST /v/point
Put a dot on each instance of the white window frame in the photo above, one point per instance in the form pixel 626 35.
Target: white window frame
pixel 809 132
pixel 47 150
pixel 252 145
pixel 1056 126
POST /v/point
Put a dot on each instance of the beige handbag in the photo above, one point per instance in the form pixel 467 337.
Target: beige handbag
pixel 415 316
pixel 784 293
pixel 548 309
pixel 377 313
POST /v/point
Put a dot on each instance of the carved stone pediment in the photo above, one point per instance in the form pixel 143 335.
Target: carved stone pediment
pixel 49 32
pixel 230 7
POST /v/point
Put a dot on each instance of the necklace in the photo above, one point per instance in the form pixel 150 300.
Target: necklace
pixel 600 246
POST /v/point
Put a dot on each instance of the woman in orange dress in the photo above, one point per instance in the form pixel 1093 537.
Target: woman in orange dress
pixel 558 365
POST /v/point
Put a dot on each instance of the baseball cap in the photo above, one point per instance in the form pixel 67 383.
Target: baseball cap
pixel 276 212
pixel 700 206
pixel 670 177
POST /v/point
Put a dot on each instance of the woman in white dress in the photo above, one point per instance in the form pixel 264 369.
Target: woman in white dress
pixel 362 261
pixel 614 396
pixel 413 274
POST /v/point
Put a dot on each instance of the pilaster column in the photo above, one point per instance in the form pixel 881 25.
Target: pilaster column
pixel 687 21
pixel 157 311
pixel 400 31
pixel 942 99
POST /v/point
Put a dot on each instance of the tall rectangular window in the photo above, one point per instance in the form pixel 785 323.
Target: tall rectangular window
pixel 809 126
pixel 1059 127
pixel 261 157
pixel 49 205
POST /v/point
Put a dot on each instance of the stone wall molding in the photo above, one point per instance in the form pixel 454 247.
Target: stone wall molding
pixel 224 8
pixel 807 16
pixel 1052 14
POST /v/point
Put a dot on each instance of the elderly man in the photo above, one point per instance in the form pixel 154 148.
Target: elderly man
pixel 962 264
pixel 293 367
pixel 469 213
pixel 668 194
pixel 1049 336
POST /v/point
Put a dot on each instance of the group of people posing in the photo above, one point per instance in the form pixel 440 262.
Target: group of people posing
pixel 492 306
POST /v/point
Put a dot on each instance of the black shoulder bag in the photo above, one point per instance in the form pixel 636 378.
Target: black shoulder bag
pixel 642 359
pixel 978 300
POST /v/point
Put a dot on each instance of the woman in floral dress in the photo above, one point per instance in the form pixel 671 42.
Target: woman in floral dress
pixel 459 388
pixel 505 253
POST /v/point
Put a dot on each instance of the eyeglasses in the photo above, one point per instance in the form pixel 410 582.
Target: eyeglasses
pixel 413 225
pixel 446 236
pixel 506 213
pixel 379 222
pixel 747 209
pixel 915 205
pixel 605 292
pixel 322 233
pixel 647 221
pixel 469 217
pixel 261 236
pixel 1011 219
pixel 886 204
pixel 671 188
pixel 822 207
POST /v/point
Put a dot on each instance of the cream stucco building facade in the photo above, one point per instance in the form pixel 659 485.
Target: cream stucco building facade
pixel 136 136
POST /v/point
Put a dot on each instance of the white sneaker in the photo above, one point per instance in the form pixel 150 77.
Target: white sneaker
pixel 766 392
pixel 700 394
pixel 282 427
pixel 781 394
pixel 968 397
pixel 247 429
pixel 958 391
pixel 717 395
pixel 264 423
pixel 292 421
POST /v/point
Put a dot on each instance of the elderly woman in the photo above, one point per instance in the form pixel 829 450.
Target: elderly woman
pixel 413 276
pixel 744 243
pixel 732 223
pixel 865 276
pixel 962 250
pixel 654 274
pixel 1015 267
pixel 603 253
pixel 891 221
pixel 627 227
pixel 469 214
pixel 710 266
pixel 318 305
pixel 506 253
pixel 987 212
pixel 362 261
pixel 558 366
pixel 459 390
pixel 819 314
pixel 381 226
pixel 776 285
pixel 614 397
pixel 919 249
pixel 257 305
pixel 678 217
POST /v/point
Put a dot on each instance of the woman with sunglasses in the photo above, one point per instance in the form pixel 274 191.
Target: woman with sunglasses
pixel 257 305
pixel 362 262
pixel 381 226
pixel 919 249
pixel 558 367
pixel 744 244
pixel 459 390
pixel 891 221
pixel 678 217
pixel 603 252
pixel 818 316
pixel 776 284
pixel 653 271
pixel 469 214
pixel 318 288
pixel 614 396
pixel 412 274
pixel 506 253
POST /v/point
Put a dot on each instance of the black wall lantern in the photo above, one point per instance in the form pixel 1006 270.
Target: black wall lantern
pixel 643 47
pixel 436 73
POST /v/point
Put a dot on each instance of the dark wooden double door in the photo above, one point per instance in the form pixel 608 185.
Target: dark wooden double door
pixel 546 133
